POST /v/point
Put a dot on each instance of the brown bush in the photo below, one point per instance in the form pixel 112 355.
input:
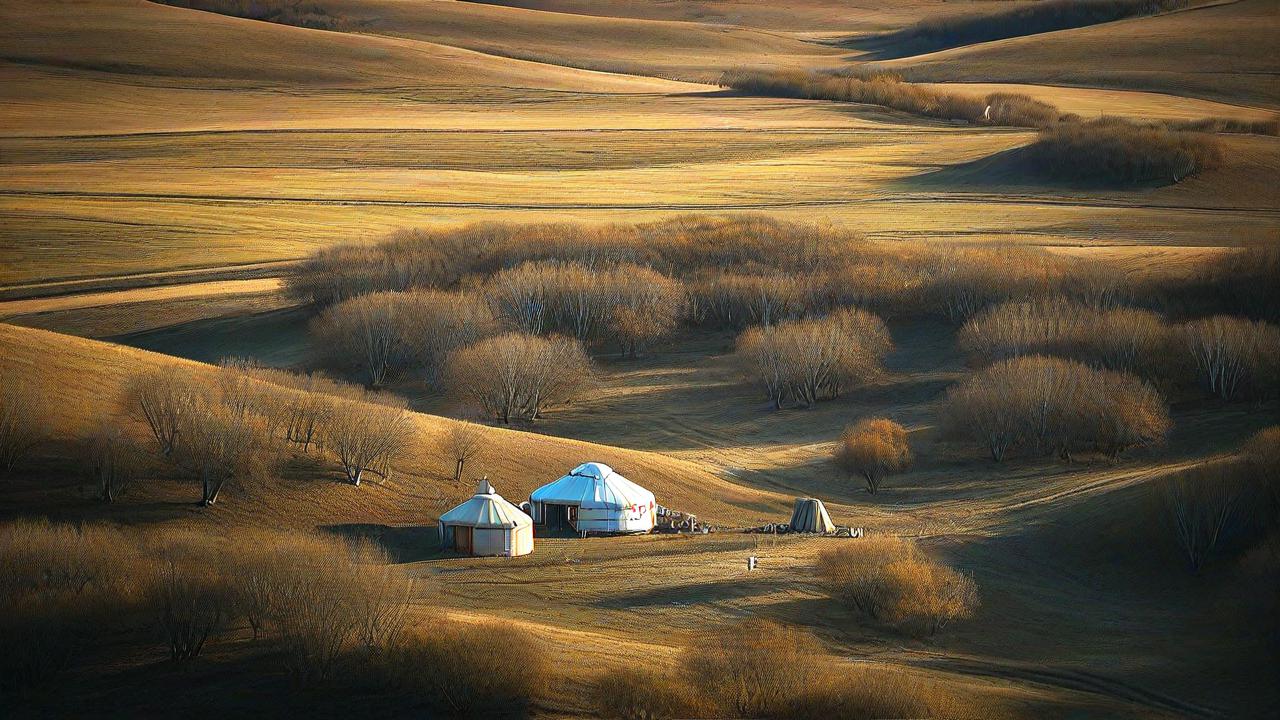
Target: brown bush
pixel 23 421
pixel 890 580
pixel 803 361
pixel 466 670
pixel 62 588
pixel 731 300
pixel 1234 357
pixel 1205 508
pixel 638 693
pixel 873 448
pixel 1126 339
pixel 111 458
pixel 755 668
pixel 366 432
pixel 1049 405
pixel 193 601
pixel 166 398
pixel 517 376
pixel 1111 151
pixel 891 91
pixel 365 332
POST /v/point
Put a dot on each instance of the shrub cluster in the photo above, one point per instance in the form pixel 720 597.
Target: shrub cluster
pixel 240 425
pixel 630 304
pixel 1047 16
pixel 873 448
pixel 1047 405
pixel 804 361
pixel 1116 338
pixel 382 332
pixel 892 581
pixel 1234 357
pixel 65 587
pixel 515 376
pixel 1113 151
pixel 890 90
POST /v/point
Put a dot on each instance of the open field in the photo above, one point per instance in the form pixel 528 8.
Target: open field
pixel 168 176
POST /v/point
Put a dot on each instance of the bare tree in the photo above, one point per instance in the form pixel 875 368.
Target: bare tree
pixel 1202 507
pixel 874 448
pixel 365 332
pixel 1051 405
pixel 165 397
pixel 436 323
pixel 217 445
pixel 805 361
pixel 23 424
pixel 112 460
pixel 1234 355
pixel 465 440
pixel 367 433
pixel 516 375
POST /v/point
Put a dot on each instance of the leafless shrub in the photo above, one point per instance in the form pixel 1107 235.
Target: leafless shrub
pixel 803 361
pixel 1233 356
pixel 516 375
pixel 365 332
pixel 61 588
pixel 367 433
pixel 874 448
pixel 890 90
pixel 193 602
pixel 890 580
pixel 754 668
pixel 466 670
pixel 23 423
pixel 464 440
pixel 862 692
pixel 166 398
pixel 1204 507
pixel 217 445
pixel 734 300
pixel 437 323
pixel 111 458
pixel 638 693
pixel 1118 338
pixel 1112 151
pixel 1050 405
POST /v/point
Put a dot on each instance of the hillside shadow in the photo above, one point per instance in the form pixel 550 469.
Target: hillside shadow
pixel 698 594
pixel 404 543
pixel 1014 168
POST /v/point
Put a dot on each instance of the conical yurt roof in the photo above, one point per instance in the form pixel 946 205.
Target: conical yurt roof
pixel 810 515
pixel 593 485
pixel 486 509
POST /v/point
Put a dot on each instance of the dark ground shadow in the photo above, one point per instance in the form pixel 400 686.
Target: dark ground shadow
pixel 405 544
pixel 276 339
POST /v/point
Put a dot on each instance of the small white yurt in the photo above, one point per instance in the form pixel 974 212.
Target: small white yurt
pixel 593 498
pixel 486 524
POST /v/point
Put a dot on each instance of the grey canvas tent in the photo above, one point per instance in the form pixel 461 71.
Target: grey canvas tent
pixel 811 516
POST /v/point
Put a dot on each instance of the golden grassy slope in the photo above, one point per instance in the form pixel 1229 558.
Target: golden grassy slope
pixel 80 378
pixel 682 50
pixel 1223 51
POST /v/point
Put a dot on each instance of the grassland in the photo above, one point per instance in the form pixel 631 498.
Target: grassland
pixel 163 169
